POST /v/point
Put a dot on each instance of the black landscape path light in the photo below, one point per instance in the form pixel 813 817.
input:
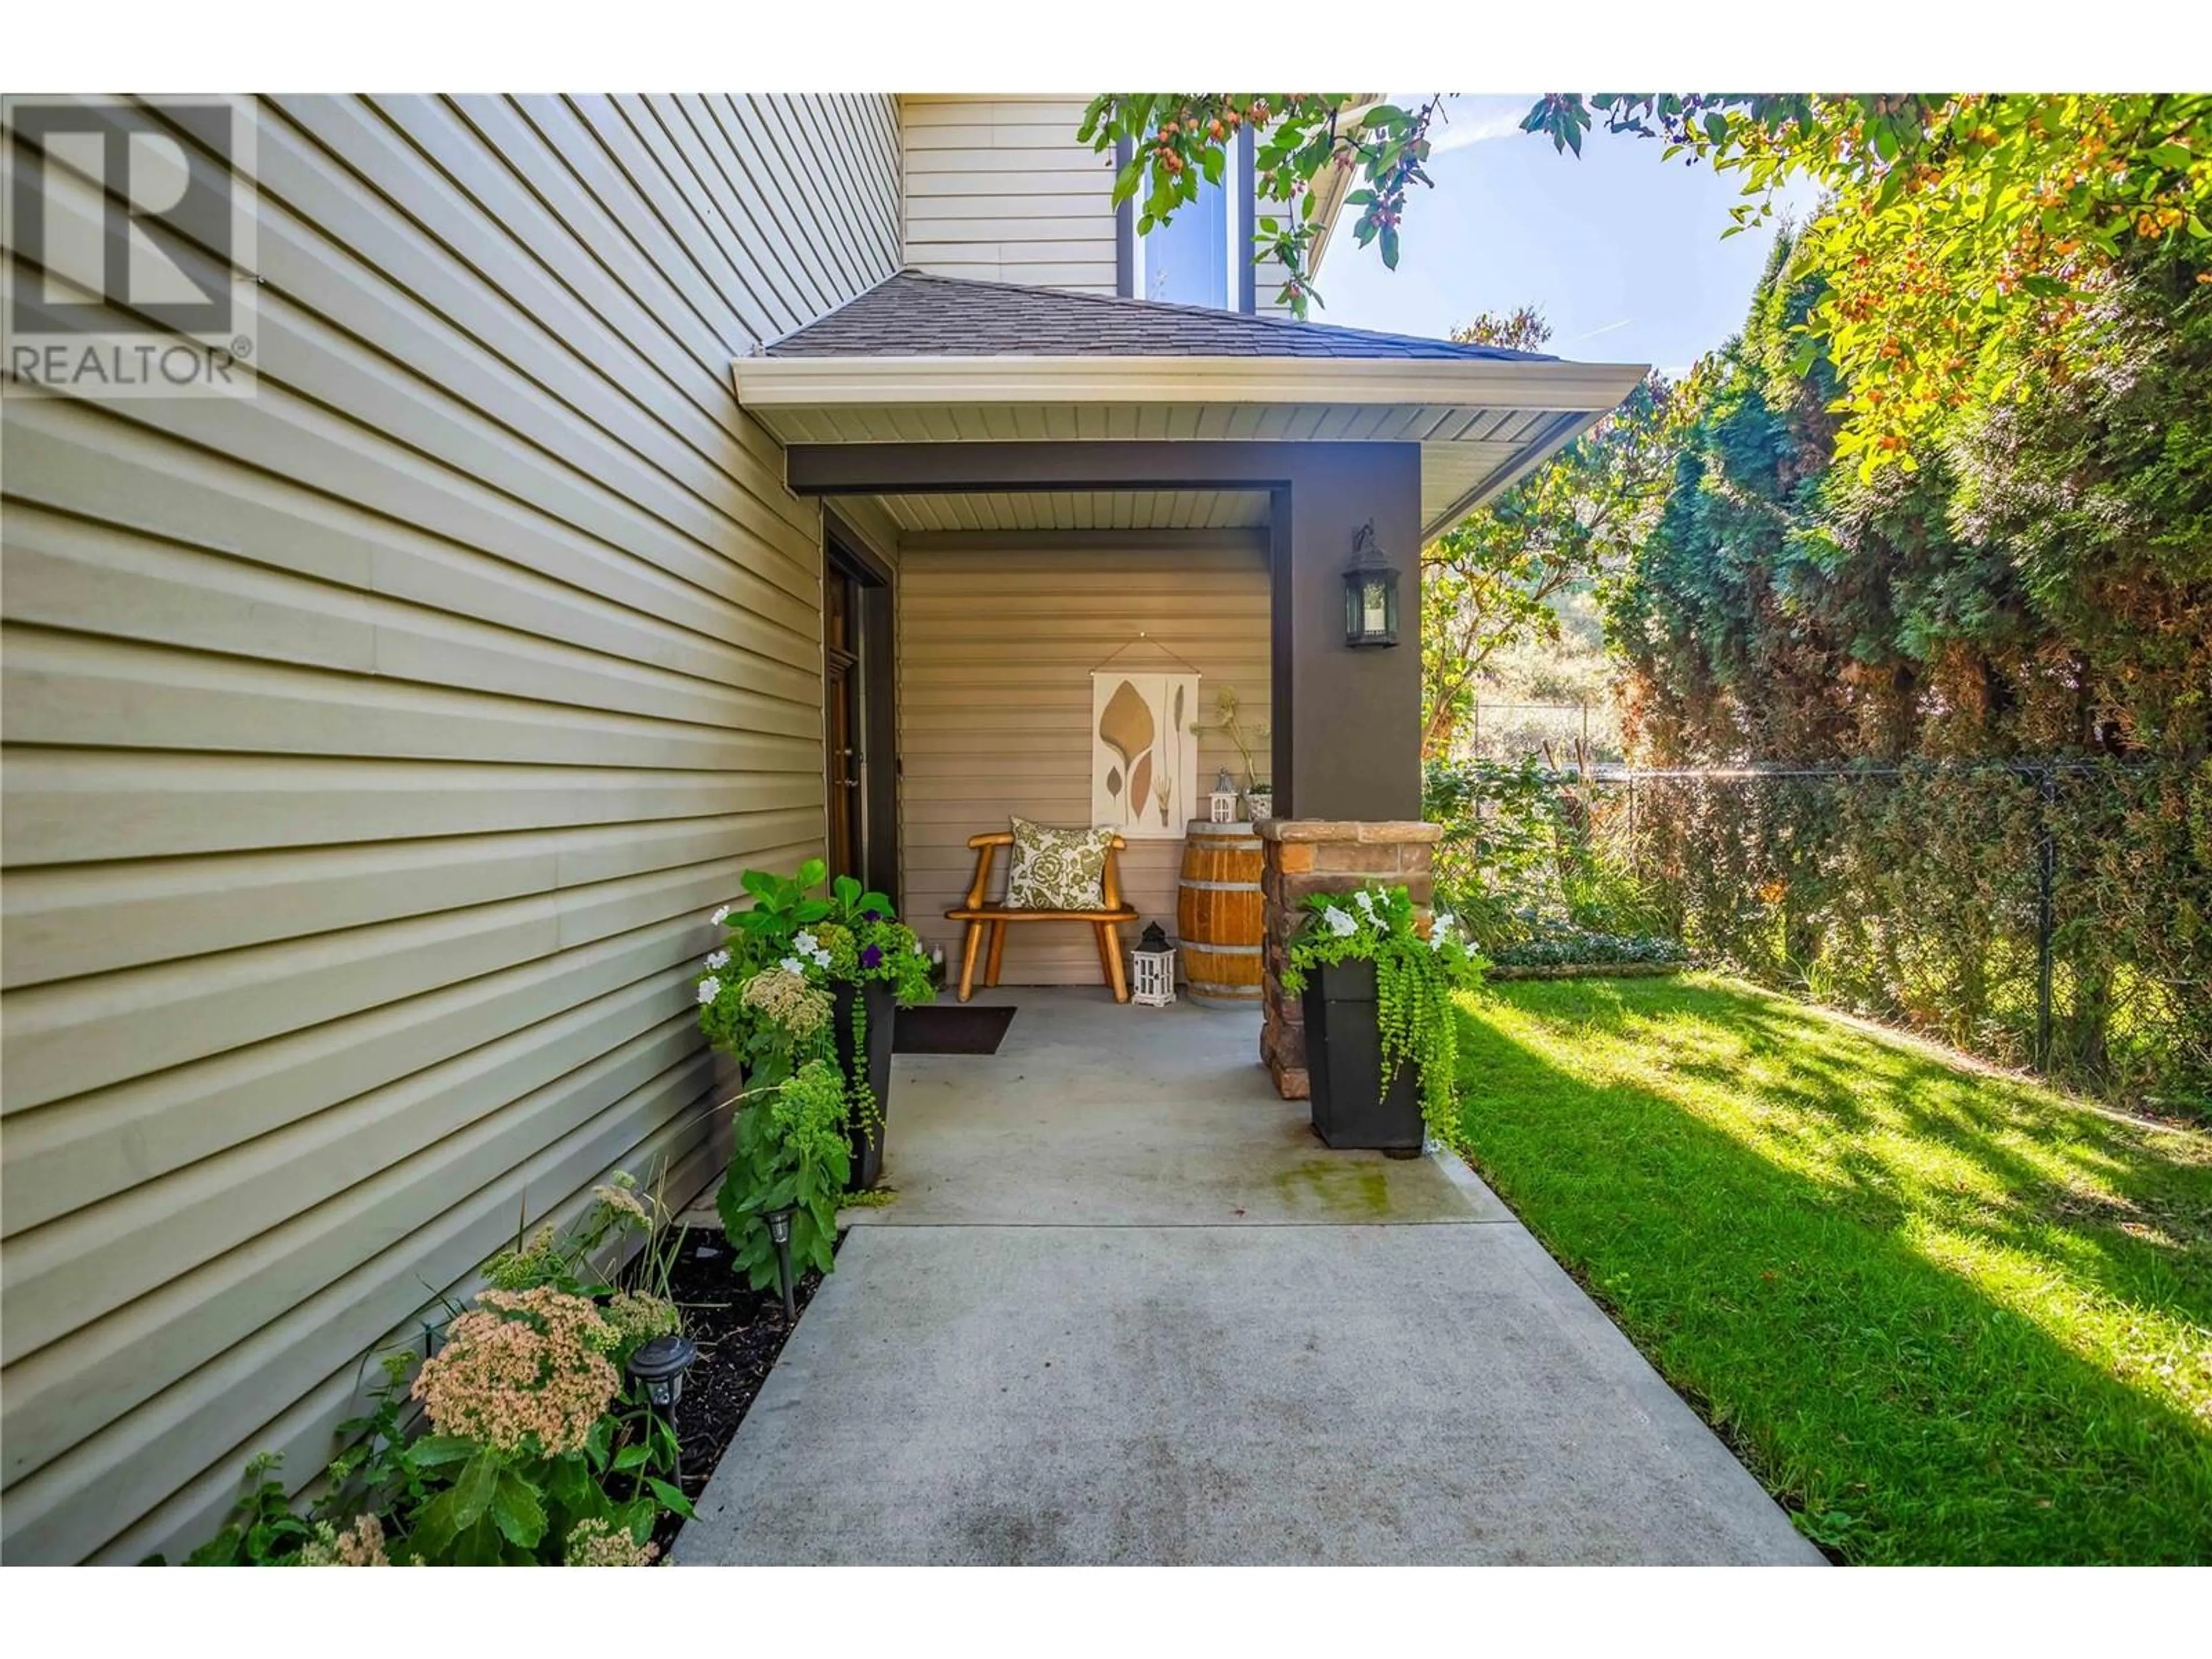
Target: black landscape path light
pixel 660 1365
pixel 779 1233
pixel 1370 593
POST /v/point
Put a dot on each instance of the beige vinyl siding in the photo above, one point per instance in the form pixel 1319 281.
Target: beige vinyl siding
pixel 996 650
pixel 375 749
pixel 1000 189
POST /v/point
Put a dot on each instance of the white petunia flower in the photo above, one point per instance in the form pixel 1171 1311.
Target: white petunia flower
pixel 807 945
pixel 721 915
pixel 1437 940
pixel 1444 920
pixel 1340 923
pixel 710 988
pixel 792 965
pixel 821 958
pixel 1364 901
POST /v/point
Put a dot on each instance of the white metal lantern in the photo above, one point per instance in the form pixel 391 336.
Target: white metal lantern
pixel 1152 965
pixel 1221 804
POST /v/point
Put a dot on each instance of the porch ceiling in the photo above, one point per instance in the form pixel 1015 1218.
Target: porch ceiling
pixel 1480 422
pixel 1079 509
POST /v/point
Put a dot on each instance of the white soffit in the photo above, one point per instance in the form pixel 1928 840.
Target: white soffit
pixel 1079 509
pixel 1480 422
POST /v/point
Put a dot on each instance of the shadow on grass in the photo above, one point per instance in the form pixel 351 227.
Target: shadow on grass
pixel 1855 1257
pixel 2128 1203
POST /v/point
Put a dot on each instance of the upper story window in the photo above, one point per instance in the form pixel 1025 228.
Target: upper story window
pixel 1198 257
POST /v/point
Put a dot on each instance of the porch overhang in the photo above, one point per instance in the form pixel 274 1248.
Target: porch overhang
pixel 1480 423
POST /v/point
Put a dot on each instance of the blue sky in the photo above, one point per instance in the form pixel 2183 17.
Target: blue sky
pixel 1621 251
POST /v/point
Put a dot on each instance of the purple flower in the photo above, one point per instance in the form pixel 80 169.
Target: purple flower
pixel 871 915
pixel 872 956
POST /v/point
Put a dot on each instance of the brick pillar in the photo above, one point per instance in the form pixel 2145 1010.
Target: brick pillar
pixel 1323 855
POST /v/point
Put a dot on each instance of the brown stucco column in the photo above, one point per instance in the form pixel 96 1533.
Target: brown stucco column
pixel 1347 724
pixel 1305 856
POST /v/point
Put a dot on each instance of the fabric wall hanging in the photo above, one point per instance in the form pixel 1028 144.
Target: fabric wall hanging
pixel 1143 756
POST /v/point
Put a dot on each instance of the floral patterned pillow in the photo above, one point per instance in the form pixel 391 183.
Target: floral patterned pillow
pixel 1057 869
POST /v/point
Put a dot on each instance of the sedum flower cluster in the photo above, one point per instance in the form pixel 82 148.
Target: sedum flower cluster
pixel 361 1545
pixel 599 1544
pixel 639 1317
pixel 620 1196
pixel 522 1371
pixel 808 1112
pixel 785 999
pixel 529 1264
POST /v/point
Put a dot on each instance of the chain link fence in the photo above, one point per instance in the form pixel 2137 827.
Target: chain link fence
pixel 1563 732
pixel 2055 915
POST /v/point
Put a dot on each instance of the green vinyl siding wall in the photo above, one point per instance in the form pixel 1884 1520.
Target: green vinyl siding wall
pixel 375 749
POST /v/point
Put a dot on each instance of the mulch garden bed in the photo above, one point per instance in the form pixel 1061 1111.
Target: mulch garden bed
pixel 739 1332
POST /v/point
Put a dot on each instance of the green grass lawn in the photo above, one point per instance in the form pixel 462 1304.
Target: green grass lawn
pixel 1943 1316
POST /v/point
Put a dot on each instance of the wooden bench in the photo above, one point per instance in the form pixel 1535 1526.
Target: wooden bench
pixel 981 916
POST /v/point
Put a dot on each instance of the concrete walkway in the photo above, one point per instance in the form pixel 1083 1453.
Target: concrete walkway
pixel 1126 1308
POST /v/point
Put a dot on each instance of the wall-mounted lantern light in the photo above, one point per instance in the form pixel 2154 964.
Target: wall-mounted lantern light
pixel 1370 594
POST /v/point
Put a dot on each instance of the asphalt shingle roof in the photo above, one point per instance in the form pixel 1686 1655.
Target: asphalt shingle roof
pixel 915 315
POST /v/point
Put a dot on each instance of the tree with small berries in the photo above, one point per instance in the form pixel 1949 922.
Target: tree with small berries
pixel 1958 228
pixel 1178 139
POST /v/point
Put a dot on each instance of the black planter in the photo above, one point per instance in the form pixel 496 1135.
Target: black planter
pixel 1344 1067
pixel 878 999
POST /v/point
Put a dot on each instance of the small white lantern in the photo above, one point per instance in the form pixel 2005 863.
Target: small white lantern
pixel 1152 965
pixel 1221 804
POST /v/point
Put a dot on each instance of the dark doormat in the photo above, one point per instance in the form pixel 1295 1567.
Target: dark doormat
pixel 941 1030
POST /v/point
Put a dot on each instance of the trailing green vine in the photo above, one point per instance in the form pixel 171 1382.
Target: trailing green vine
pixel 1415 976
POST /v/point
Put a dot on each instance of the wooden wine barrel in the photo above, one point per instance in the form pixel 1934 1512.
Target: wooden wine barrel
pixel 1218 913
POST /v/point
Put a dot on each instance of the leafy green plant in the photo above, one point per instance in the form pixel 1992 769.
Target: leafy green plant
pixel 1498 580
pixel 1178 139
pixel 496 1496
pixel 1521 856
pixel 574 1259
pixel 767 995
pixel 532 1430
pixel 1575 947
pixel 1414 979
pixel 531 1436
pixel 790 1152
pixel 262 1530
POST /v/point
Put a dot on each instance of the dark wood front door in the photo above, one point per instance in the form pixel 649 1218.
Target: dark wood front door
pixel 860 720
pixel 841 702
